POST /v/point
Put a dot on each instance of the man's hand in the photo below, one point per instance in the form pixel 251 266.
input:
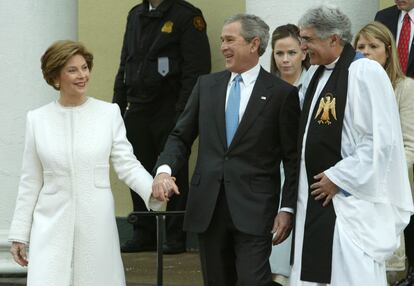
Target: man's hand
pixel 281 227
pixel 164 187
pixel 324 189
pixel 18 251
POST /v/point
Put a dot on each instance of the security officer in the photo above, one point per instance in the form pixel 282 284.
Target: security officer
pixel 165 49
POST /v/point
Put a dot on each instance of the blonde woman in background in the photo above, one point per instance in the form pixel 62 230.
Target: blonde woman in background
pixel 289 63
pixel 377 43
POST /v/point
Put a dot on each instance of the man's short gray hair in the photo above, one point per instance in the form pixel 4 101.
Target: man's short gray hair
pixel 327 20
pixel 251 27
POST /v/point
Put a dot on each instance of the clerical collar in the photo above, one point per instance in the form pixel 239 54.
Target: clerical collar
pixel 331 66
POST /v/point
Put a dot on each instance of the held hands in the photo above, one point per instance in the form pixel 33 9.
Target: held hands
pixel 281 227
pixel 324 189
pixel 18 251
pixel 164 187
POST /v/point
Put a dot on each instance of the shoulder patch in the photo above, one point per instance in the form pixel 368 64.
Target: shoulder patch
pixel 199 23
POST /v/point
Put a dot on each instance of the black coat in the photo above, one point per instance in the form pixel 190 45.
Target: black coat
pixel 174 33
pixel 389 17
pixel 249 167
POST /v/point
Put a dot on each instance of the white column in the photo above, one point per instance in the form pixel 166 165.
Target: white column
pixel 27 28
pixel 281 12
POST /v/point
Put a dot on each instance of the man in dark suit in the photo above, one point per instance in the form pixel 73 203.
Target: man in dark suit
pixel 393 18
pixel 165 49
pixel 247 121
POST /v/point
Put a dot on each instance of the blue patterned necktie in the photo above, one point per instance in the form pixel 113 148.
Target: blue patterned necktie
pixel 232 111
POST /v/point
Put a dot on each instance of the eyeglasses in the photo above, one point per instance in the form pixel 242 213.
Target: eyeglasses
pixel 306 40
pixel 310 40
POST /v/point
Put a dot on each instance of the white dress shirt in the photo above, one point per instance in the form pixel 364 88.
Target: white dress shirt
pixel 246 87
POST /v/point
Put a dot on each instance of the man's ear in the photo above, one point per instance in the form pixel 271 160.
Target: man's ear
pixel 335 40
pixel 254 45
pixel 303 54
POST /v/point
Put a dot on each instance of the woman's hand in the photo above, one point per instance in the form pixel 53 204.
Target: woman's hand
pixel 18 251
pixel 163 187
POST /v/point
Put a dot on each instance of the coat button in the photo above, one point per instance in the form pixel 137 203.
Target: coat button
pixel 226 158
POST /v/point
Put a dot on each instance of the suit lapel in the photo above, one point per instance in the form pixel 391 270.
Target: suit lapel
pixel 218 92
pixel 258 99
pixel 394 22
pixel 411 55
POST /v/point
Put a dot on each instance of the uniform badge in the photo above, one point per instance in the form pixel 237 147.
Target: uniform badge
pixel 167 27
pixel 199 23
pixel 326 109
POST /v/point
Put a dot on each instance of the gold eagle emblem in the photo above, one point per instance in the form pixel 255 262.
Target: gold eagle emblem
pixel 326 107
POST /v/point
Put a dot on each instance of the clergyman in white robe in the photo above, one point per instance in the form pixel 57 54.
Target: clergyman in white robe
pixel 370 220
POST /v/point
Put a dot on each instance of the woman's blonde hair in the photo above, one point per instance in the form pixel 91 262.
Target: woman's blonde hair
pixel 380 32
pixel 56 57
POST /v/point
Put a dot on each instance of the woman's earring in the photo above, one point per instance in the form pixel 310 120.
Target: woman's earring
pixel 57 85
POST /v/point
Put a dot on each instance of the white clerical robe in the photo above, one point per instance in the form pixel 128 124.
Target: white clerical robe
pixel 373 171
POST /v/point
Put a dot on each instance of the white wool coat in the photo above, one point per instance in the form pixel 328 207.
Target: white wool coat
pixel 65 207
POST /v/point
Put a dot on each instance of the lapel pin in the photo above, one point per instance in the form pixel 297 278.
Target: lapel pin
pixel 263 98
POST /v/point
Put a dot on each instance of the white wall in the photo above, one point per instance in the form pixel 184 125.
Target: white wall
pixel 280 12
pixel 27 28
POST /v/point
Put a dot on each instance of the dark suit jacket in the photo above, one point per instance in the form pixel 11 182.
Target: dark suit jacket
pixel 389 17
pixel 249 168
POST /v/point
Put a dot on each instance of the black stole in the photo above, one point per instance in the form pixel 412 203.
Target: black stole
pixel 322 150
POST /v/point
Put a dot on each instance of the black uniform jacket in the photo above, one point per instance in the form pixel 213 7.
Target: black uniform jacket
pixel 163 53
pixel 249 168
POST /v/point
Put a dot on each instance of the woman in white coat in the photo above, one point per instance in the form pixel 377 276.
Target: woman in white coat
pixel 290 63
pixel 65 208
